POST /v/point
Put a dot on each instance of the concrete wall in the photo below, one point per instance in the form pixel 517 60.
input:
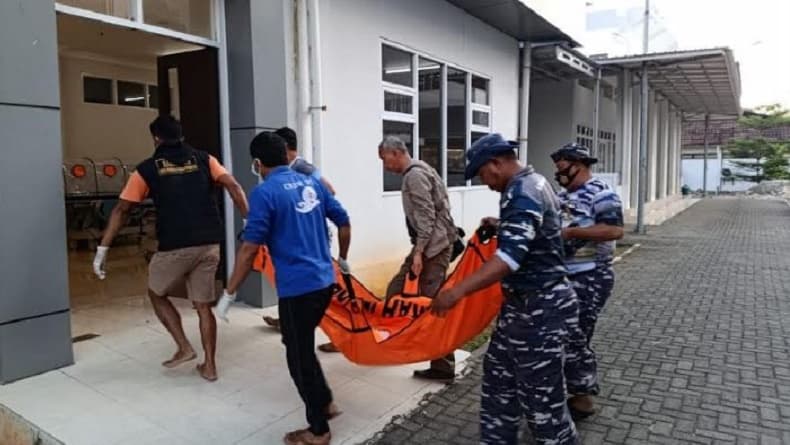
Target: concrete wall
pixel 35 330
pixel 550 122
pixel 103 131
pixel 352 34
pixel 260 70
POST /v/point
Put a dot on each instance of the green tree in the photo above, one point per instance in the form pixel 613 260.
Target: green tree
pixel 767 157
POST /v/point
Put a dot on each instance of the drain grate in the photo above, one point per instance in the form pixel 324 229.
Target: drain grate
pixel 84 337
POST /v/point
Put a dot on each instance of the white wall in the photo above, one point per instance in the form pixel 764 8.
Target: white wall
pixel 351 38
pixel 103 131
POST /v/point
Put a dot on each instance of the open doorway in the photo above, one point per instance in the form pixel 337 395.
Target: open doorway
pixel 114 80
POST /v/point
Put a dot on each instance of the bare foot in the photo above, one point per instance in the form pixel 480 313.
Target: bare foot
pixel 207 372
pixel 179 358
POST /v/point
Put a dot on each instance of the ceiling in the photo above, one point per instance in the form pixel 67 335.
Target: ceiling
pixel 82 35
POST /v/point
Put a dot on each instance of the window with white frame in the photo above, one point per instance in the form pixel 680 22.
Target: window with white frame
pixel 440 107
pixel 606 152
pixel 106 91
pixel 584 136
pixel 195 17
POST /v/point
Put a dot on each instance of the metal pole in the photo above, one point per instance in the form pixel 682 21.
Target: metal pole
pixel 705 159
pixel 642 186
pixel 596 117
pixel 644 97
pixel 523 124
pixel 646 28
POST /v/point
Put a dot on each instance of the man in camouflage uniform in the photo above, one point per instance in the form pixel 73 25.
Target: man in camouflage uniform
pixel 523 368
pixel 592 216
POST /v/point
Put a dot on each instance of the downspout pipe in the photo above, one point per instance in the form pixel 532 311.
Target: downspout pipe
pixel 597 117
pixel 303 116
pixel 644 96
pixel 316 107
pixel 523 112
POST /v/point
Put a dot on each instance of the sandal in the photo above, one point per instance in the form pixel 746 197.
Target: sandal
pixel 305 437
pixel 328 348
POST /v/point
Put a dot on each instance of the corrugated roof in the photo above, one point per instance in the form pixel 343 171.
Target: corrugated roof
pixel 705 81
pixel 515 19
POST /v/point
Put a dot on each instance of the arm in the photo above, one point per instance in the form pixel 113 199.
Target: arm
pixel 328 185
pixel 517 229
pixel 344 240
pixel 339 217
pixel 255 234
pixel 423 210
pixel 607 209
pixel 492 271
pixel 236 193
pixel 598 232
pixel 118 218
pixel 220 175
pixel 244 259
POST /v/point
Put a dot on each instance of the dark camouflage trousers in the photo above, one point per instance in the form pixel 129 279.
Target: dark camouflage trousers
pixel 522 370
pixel 592 289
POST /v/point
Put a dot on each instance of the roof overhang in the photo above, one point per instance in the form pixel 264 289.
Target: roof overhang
pixel 560 61
pixel 515 19
pixel 697 82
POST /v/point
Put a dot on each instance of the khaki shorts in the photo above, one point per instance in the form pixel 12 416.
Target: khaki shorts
pixel 193 266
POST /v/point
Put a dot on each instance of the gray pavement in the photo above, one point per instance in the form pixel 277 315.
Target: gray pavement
pixel 694 346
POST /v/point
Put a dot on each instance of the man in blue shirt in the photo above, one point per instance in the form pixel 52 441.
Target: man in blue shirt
pixel 592 216
pixel 301 165
pixel 288 213
pixel 523 367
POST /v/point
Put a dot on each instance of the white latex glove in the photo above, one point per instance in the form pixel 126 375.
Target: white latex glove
pixel 98 262
pixel 344 266
pixel 221 310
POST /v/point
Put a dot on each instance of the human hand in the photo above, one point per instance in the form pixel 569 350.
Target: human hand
pixel 345 268
pixel 446 300
pixel 99 260
pixel 489 221
pixel 221 310
pixel 416 264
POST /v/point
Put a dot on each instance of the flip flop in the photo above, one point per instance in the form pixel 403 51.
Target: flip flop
pixel 328 348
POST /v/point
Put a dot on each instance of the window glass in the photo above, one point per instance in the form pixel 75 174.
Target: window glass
pixel 479 90
pixel 187 16
pixel 398 103
pixel 396 66
pixel 430 114
pixel 131 94
pixel 96 90
pixel 456 127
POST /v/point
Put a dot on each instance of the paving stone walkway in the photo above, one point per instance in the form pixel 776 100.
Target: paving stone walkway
pixel 694 345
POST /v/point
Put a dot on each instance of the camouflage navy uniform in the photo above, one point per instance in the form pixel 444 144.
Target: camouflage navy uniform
pixel 590 268
pixel 524 362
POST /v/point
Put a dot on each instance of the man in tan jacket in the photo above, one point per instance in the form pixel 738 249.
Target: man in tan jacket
pixel 432 232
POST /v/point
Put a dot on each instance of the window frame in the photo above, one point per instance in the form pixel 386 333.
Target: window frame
pixel 117 83
pixel 413 118
pixel 113 92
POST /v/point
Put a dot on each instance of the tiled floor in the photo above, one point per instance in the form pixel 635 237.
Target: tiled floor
pixel 118 393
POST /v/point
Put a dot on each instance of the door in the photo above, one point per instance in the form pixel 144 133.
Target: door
pixel 189 90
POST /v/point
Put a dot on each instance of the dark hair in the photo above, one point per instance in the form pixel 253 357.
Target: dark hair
pixel 166 128
pixel 269 148
pixel 289 135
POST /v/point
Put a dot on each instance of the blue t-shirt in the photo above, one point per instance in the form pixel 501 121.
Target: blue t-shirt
pixel 592 203
pixel 288 214
pixel 529 234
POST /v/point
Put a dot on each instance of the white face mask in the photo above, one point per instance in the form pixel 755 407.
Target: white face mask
pixel 255 169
